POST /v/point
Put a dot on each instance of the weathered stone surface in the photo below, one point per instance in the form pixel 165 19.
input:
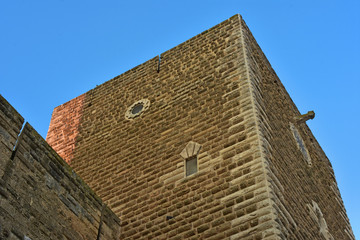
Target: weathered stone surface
pixel 10 125
pixel 41 197
pixel 297 176
pixel 217 90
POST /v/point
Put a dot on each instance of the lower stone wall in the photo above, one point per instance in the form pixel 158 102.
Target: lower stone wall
pixel 10 125
pixel 41 197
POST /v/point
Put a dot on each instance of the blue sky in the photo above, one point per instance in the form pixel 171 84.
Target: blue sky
pixel 52 51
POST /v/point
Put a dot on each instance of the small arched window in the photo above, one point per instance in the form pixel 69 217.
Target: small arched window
pixel 189 153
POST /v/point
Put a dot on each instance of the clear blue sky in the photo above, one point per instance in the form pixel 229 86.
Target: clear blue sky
pixel 52 51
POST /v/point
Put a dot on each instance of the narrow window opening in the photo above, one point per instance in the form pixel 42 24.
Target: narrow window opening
pixel 191 166
pixel 189 154
pixel 301 144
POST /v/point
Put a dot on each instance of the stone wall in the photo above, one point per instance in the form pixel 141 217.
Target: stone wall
pixel 300 172
pixel 213 97
pixel 41 197
pixel 198 93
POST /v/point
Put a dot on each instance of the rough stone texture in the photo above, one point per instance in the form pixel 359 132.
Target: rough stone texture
pixel 10 125
pixel 217 90
pixel 295 182
pixel 40 195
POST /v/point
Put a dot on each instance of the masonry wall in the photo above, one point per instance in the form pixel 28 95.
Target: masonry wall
pixel 295 182
pixel 41 197
pixel 216 90
pixel 11 123
pixel 199 94
pixel 63 130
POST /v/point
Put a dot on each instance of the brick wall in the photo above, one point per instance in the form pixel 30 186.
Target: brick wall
pixel 210 91
pixel 63 129
pixel 41 197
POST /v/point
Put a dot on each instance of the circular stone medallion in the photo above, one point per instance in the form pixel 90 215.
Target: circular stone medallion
pixel 137 108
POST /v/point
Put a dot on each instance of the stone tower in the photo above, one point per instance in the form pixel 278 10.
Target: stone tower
pixel 202 142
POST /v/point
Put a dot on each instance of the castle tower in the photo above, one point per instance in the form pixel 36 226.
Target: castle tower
pixel 202 142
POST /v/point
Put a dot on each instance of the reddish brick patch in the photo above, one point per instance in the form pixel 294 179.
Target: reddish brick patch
pixel 64 127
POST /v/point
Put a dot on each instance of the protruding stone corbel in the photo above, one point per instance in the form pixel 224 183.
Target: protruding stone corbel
pixel 304 117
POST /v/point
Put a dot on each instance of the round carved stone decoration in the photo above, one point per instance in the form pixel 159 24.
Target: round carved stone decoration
pixel 137 108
